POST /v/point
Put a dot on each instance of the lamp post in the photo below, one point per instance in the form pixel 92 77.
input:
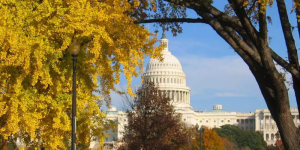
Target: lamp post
pixel 200 131
pixel 74 50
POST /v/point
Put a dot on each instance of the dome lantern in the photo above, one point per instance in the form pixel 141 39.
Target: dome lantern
pixel 164 41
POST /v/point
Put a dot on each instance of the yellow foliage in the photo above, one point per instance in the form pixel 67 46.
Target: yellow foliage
pixel 36 67
pixel 264 4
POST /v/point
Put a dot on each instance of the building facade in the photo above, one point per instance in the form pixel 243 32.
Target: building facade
pixel 171 80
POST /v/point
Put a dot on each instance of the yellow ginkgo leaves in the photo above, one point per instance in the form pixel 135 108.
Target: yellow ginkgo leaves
pixel 36 67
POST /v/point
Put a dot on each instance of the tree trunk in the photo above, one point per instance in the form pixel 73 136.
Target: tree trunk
pixel 275 93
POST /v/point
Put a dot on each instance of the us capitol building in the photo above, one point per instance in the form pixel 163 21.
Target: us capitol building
pixel 171 79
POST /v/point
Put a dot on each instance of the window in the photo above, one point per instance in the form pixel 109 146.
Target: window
pixel 206 121
pixel 238 120
pixel 221 120
pixel 184 119
pixel 214 120
pixel 200 121
pixel 228 120
pixel 164 80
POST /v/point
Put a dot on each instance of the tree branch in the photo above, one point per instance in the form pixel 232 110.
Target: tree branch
pixel 225 35
pixel 167 20
pixel 241 13
pixel 285 64
pixel 251 7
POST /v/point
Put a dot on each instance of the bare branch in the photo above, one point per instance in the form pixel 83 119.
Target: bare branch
pixel 166 20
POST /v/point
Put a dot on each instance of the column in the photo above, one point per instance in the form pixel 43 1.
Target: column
pixel 183 96
pixel 189 97
pixel 180 96
pixel 257 124
pixel 265 122
pixel 173 97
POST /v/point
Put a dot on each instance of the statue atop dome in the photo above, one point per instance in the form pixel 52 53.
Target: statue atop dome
pixel 164 35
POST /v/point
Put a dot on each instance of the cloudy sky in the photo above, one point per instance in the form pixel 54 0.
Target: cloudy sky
pixel 215 73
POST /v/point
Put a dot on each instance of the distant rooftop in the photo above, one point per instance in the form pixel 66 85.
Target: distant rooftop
pixel 218 110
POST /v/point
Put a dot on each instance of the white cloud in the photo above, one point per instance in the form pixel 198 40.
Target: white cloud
pixel 228 74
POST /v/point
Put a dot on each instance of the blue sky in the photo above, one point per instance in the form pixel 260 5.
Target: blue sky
pixel 215 73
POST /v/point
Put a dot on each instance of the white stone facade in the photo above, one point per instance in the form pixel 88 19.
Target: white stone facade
pixel 171 79
pixel 265 124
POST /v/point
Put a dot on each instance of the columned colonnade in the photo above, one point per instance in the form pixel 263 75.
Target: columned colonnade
pixel 178 95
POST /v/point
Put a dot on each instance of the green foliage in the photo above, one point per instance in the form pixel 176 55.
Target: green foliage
pixel 251 139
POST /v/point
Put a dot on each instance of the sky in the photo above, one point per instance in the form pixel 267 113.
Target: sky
pixel 215 73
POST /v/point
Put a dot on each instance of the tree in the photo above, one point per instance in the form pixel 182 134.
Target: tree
pixel 211 140
pixel 229 145
pixel 152 122
pixel 251 139
pixel 35 68
pixel 278 144
pixel 244 26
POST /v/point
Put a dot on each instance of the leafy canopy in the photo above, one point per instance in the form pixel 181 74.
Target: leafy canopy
pixel 251 139
pixel 36 67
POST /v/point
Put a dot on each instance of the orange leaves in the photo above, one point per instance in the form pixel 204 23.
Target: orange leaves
pixel 211 140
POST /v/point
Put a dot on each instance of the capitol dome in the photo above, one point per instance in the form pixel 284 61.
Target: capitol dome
pixel 169 76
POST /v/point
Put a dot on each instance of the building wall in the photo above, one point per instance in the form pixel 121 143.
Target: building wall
pixel 260 120
pixel 265 124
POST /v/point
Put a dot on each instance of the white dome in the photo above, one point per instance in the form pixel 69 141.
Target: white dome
pixel 169 77
pixel 169 63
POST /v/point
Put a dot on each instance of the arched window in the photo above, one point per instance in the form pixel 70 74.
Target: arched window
pixel 160 80
pixel 267 137
pixel 156 80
